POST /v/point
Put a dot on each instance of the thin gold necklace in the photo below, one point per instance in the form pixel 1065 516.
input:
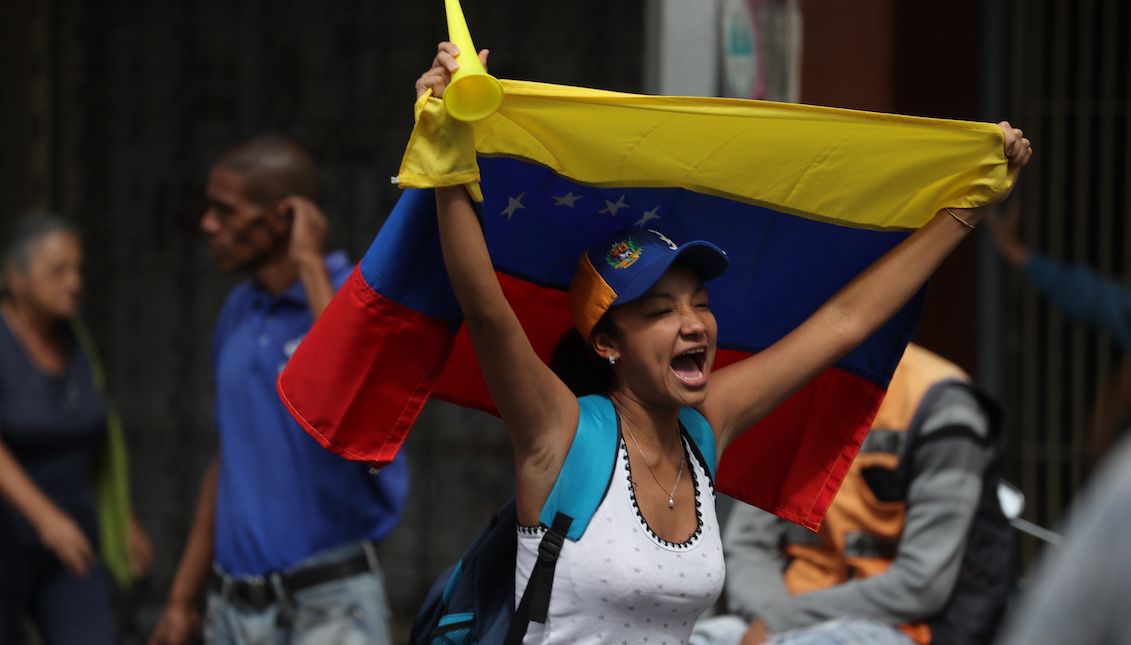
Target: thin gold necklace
pixel 678 475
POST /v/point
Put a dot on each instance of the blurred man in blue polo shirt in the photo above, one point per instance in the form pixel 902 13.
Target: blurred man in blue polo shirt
pixel 287 527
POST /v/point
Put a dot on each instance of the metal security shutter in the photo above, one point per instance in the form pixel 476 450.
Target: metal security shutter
pixel 1070 67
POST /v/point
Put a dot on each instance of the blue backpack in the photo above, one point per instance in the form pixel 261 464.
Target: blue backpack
pixel 473 601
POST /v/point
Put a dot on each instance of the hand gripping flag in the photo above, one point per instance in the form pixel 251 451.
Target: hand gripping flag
pixel 802 199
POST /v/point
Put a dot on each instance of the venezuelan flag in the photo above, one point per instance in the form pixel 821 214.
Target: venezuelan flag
pixel 802 199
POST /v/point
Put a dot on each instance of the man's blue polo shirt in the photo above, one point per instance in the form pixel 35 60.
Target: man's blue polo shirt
pixel 281 497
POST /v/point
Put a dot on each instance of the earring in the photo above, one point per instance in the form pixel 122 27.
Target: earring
pixel 612 360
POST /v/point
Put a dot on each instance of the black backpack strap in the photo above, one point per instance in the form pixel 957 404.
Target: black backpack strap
pixel 707 466
pixel 535 603
pixel 695 426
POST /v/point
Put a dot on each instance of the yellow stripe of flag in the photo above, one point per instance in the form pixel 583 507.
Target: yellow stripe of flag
pixel 861 169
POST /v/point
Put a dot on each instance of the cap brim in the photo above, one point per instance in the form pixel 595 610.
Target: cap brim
pixel 704 258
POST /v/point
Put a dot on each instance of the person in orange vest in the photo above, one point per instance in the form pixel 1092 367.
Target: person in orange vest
pixel 914 548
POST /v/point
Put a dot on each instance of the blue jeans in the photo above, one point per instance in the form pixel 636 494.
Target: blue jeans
pixel 844 631
pixel 728 630
pixel 346 611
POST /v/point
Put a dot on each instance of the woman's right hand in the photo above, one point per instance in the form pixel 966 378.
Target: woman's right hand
pixel 63 537
pixel 443 66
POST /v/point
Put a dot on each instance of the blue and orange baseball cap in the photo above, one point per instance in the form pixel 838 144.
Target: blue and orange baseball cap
pixel 625 266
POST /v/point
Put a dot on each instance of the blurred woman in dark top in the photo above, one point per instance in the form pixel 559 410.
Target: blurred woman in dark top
pixel 54 444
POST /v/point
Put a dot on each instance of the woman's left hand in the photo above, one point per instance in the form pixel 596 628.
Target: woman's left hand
pixel 138 549
pixel 1018 149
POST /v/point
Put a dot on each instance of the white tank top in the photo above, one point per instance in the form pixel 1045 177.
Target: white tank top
pixel 621 583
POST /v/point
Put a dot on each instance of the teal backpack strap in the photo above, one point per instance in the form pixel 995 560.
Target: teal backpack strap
pixel 580 487
pixel 588 467
pixel 702 437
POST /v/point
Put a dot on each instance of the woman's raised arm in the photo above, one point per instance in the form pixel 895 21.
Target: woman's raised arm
pixel 743 393
pixel 540 412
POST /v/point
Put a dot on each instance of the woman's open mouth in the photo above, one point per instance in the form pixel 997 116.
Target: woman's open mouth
pixel 688 367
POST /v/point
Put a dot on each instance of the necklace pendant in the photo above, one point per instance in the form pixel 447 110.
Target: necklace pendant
pixel 671 501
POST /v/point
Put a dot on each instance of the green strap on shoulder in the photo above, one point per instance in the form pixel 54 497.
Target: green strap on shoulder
pixel 111 476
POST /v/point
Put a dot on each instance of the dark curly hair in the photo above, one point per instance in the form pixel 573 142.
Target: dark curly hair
pixel 578 365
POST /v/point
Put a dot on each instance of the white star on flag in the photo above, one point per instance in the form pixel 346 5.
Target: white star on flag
pixel 568 199
pixel 648 216
pixel 513 204
pixel 612 208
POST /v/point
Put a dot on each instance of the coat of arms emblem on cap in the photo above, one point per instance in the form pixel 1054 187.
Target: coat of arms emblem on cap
pixel 624 253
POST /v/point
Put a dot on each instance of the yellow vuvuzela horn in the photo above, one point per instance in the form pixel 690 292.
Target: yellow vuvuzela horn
pixel 473 94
